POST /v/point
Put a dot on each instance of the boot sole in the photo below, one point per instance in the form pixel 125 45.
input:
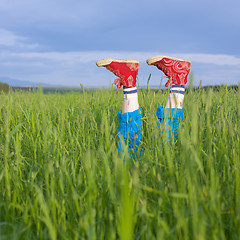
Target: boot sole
pixel 154 59
pixel 105 62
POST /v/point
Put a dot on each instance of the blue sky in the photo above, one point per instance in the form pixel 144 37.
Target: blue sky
pixel 59 41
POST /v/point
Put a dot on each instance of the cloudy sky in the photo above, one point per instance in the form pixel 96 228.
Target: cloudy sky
pixel 59 41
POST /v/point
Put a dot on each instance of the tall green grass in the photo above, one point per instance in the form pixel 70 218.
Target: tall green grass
pixel 61 176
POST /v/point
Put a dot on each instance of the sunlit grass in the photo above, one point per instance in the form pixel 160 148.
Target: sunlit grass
pixel 61 176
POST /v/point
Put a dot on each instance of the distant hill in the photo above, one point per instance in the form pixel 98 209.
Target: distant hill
pixel 21 83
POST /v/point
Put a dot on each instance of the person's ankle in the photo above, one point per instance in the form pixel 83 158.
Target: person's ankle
pixel 176 97
pixel 130 99
pixel 130 92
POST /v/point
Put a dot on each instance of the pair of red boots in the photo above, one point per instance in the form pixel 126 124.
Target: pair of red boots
pixel 175 69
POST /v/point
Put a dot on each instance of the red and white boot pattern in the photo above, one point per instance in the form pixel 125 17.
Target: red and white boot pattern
pixel 175 69
pixel 126 70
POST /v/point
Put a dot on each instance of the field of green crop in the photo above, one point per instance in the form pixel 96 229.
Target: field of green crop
pixel 62 177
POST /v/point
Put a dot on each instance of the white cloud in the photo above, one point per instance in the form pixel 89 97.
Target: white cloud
pixel 9 39
pixel 93 56
pixel 72 68
pixel 217 59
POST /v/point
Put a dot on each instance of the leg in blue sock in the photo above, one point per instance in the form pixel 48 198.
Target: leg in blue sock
pixel 171 117
pixel 176 70
pixel 130 124
pixel 172 114
pixel 130 118
pixel 129 130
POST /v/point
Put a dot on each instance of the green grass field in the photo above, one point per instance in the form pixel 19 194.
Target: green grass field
pixel 61 176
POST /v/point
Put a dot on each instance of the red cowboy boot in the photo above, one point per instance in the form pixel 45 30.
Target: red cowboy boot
pixel 175 69
pixel 126 70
